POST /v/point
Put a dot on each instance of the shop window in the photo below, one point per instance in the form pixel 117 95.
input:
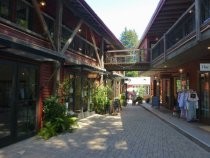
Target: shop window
pixel 4 9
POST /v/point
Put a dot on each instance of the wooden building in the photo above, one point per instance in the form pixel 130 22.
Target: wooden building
pixel 41 44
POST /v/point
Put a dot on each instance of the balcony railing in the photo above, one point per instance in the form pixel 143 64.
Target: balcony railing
pixel 184 28
pixel 158 49
pixel 78 44
pixel 138 56
pixel 26 23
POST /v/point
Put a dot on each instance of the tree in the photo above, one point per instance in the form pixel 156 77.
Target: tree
pixel 129 38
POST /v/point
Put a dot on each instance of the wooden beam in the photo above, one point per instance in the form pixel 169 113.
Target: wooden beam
pixel 43 23
pixel 71 37
pixel 95 47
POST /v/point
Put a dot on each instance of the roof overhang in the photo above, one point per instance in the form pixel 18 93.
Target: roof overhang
pixel 165 15
pixel 84 11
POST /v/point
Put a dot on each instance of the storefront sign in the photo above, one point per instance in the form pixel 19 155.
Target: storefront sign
pixel 204 66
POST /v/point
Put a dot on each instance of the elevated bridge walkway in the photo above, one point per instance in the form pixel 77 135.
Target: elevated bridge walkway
pixel 127 60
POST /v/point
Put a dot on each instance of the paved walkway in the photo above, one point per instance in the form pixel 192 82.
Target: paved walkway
pixel 197 132
pixel 135 133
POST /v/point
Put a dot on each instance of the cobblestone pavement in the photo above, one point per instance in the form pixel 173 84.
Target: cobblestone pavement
pixel 135 133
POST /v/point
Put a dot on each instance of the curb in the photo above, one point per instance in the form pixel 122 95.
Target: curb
pixel 183 132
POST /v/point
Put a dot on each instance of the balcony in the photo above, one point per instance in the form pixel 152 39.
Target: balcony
pixel 182 37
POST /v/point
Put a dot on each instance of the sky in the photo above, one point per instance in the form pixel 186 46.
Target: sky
pixel 118 14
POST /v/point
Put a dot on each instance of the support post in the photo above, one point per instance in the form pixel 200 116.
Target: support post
pixel 58 24
pixel 197 19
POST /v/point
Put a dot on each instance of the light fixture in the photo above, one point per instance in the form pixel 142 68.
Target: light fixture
pixel 180 70
pixel 208 48
pixel 80 49
pixel 79 30
pixel 190 11
pixel 42 3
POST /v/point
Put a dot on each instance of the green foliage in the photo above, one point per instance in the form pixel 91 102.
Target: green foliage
pixel 139 99
pixel 129 38
pixel 55 119
pixel 53 109
pixel 101 98
pixel 123 99
pixel 141 91
pixel 47 131
pixel 64 89
pixel 131 74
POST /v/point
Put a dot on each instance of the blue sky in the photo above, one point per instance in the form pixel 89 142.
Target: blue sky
pixel 118 14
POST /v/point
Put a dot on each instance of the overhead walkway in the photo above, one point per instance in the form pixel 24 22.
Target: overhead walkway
pixel 127 60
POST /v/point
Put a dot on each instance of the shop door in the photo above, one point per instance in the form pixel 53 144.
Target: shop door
pixel 18 91
pixel 204 98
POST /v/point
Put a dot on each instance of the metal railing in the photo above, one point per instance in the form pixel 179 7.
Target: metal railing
pixel 182 29
pixel 158 49
pixel 132 57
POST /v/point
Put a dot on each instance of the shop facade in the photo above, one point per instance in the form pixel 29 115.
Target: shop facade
pixel 41 46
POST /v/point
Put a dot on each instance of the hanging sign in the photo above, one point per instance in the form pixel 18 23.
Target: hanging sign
pixel 204 66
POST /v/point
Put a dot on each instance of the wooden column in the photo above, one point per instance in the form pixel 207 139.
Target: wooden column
pixel 58 24
pixel 57 41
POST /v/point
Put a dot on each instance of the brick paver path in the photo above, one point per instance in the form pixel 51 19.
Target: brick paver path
pixel 135 133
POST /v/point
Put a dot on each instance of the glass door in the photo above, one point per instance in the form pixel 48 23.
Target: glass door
pixel 18 98
pixel 26 100
pixel 204 98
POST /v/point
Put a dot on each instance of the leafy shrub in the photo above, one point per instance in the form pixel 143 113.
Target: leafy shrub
pixel 101 99
pixel 53 109
pixel 55 119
